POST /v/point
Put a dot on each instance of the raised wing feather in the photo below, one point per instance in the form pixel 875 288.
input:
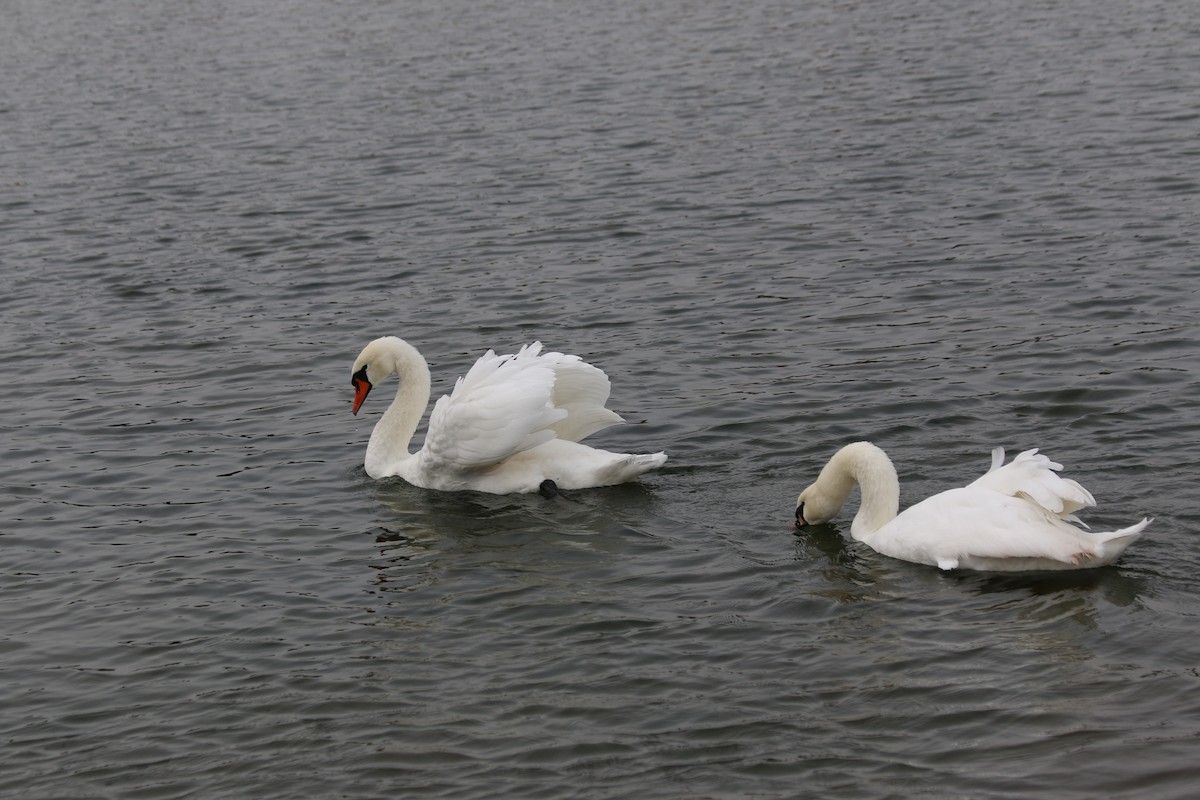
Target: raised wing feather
pixel 1035 478
pixel 499 408
pixel 581 390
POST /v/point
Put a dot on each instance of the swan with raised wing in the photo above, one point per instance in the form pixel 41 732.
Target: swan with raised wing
pixel 1016 517
pixel 512 424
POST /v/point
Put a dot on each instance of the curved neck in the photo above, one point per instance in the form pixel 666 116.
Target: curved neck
pixel 392 434
pixel 866 464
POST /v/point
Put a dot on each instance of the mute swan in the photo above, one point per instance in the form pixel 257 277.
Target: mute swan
pixel 1012 519
pixel 511 424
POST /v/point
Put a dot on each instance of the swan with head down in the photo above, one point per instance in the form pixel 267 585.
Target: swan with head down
pixel 511 424
pixel 1016 517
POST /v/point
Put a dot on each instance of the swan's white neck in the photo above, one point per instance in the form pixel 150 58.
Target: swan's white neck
pixel 868 466
pixel 394 431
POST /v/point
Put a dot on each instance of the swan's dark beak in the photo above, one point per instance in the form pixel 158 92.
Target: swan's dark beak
pixel 800 520
pixel 362 387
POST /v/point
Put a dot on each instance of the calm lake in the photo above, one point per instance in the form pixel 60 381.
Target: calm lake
pixel 779 227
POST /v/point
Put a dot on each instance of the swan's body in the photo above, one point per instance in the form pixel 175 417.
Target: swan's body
pixel 511 423
pixel 1014 518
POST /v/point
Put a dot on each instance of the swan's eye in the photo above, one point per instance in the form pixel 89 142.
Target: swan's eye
pixel 800 520
pixel 361 375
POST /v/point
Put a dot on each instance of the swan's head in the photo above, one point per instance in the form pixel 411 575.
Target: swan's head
pixel 862 463
pixel 375 363
pixel 815 506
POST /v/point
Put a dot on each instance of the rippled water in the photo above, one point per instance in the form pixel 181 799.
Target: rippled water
pixel 779 227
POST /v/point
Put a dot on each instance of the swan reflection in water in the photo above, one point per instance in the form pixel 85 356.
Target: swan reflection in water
pixel 420 533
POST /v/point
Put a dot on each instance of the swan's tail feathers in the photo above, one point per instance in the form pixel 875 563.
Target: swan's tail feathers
pixel 1112 543
pixel 997 459
pixel 627 467
pixel 652 460
pixel 1105 548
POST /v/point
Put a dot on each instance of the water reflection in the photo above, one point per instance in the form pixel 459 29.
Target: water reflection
pixel 424 514
pixel 828 542
pixel 1040 597
pixel 1117 587
pixel 486 556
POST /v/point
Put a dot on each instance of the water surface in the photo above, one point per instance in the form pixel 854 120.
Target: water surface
pixel 778 227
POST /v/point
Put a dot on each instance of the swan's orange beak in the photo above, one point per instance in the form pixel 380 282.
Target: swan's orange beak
pixel 362 388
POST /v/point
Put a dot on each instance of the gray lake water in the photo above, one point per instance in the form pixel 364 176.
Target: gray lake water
pixel 779 227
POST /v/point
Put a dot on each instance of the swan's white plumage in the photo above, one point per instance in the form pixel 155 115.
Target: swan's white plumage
pixel 1036 478
pixel 582 391
pixel 499 408
pixel 1014 518
pixel 510 423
